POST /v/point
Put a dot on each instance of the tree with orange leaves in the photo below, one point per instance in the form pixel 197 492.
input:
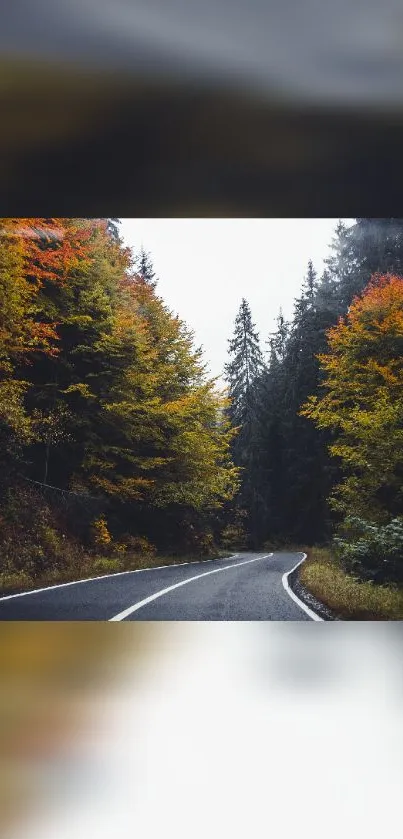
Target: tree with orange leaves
pixel 363 401
pixel 123 406
pixel 23 334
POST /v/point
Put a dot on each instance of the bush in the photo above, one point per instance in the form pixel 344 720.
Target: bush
pixel 233 537
pixel 346 596
pixel 139 545
pixel 31 536
pixel 102 565
pixel 373 551
pixel 102 539
pixel 205 544
pixel 14 580
pixel 120 548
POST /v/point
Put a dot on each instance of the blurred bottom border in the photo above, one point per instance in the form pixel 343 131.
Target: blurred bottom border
pixel 188 728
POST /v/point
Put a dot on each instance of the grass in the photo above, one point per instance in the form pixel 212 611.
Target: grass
pixel 17 581
pixel 346 596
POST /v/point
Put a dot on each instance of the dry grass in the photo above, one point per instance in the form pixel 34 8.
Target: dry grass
pixel 347 597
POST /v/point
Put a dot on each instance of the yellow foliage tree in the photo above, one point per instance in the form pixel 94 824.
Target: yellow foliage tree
pixel 363 401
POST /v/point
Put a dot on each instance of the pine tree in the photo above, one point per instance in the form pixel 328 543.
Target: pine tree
pixel 145 268
pixel 113 228
pixel 245 367
pixel 310 283
pixel 269 471
pixel 369 246
pixel 293 474
pixel 242 373
pixel 305 474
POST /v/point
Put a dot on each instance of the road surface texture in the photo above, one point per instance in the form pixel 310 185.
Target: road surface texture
pixel 243 587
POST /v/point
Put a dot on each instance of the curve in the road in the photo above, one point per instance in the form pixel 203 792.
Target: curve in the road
pixel 125 614
pixel 254 588
pixel 313 615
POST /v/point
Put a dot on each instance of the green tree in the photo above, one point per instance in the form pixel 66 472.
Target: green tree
pixel 270 436
pixel 242 373
pixel 124 410
pixel 367 247
pixel 145 268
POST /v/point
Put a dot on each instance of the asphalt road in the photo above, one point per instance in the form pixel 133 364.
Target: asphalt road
pixel 244 587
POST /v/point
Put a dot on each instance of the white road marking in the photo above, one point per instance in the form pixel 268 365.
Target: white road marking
pixel 105 577
pixel 296 599
pixel 129 611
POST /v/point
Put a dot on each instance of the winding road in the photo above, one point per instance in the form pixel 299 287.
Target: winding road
pixel 242 587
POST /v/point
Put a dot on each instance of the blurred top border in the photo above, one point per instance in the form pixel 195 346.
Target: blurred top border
pixel 129 111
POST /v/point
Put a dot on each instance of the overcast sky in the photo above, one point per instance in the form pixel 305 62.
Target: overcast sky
pixel 206 266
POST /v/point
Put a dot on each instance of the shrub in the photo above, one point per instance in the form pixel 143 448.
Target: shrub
pixel 346 596
pixel 101 537
pixel 373 551
pixel 102 565
pixel 14 580
pixel 120 548
pixel 205 543
pixel 233 537
pixel 139 545
pixel 31 536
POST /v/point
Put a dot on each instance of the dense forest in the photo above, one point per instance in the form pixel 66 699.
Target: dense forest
pixel 115 443
pixel 321 412
pixel 113 438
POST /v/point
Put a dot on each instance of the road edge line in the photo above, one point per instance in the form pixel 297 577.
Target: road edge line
pixel 313 615
pixel 146 600
pixel 116 574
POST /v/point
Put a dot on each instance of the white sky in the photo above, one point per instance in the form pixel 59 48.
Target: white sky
pixel 206 266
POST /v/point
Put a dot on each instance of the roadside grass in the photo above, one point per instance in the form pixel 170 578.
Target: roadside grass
pixel 346 596
pixel 87 567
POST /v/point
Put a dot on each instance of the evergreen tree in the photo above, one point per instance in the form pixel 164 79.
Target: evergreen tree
pixel 368 247
pixel 242 373
pixel 113 228
pixel 290 466
pixel 296 472
pixel 305 474
pixel 145 268
pixel 293 474
pixel 243 370
pixel 271 437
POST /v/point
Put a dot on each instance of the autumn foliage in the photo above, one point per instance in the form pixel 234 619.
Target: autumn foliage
pixel 102 393
pixel 362 403
pixel 363 400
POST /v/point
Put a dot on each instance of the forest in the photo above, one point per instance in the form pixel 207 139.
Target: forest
pixel 117 447
pixel 321 413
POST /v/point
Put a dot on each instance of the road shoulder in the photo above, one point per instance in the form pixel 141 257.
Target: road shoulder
pixel 306 597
